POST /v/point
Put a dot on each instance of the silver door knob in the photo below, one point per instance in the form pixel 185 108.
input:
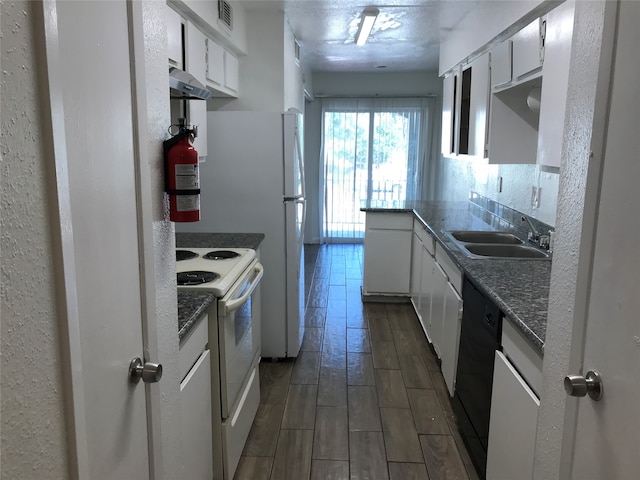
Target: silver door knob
pixel 579 386
pixel 148 372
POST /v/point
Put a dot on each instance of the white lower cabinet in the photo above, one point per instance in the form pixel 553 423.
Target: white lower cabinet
pixel 195 404
pixel 438 299
pixel 427 274
pixel 512 431
pixel 451 336
pixel 416 273
pixel 387 254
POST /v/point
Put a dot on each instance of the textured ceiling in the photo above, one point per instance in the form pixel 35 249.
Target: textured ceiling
pixel 405 37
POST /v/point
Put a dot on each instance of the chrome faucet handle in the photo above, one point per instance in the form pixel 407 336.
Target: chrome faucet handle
pixel 533 235
pixel 544 241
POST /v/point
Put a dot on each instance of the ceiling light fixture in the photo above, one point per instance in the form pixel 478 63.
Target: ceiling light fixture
pixel 369 16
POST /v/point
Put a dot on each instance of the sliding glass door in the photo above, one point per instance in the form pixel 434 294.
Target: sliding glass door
pixel 374 151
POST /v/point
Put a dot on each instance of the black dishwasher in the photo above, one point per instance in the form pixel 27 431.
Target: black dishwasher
pixel 479 339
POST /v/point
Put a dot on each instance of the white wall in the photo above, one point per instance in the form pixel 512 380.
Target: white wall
pixel 460 176
pixel 354 84
pixel 33 432
pixel 376 84
pixel 270 80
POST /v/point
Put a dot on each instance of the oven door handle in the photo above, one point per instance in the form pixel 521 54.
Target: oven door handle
pixel 231 305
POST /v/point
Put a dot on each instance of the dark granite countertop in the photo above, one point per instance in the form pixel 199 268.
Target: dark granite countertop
pixel 192 305
pixel 520 287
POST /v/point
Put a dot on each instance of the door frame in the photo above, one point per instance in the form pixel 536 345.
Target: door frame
pixel 586 116
pixel 70 342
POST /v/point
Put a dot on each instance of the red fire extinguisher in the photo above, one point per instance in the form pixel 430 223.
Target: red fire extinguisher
pixel 182 175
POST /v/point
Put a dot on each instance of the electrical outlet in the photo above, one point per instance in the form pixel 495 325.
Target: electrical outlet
pixel 535 197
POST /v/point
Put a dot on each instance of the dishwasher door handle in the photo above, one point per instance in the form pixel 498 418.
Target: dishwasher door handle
pixel 489 320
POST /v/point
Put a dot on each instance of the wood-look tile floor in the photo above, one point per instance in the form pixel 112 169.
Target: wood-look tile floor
pixel 365 398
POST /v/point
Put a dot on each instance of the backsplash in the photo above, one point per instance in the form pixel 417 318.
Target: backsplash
pixel 505 218
pixel 459 176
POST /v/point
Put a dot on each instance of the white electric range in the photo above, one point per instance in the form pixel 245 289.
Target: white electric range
pixel 233 276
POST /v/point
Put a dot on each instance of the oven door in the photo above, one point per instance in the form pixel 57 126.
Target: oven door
pixel 238 335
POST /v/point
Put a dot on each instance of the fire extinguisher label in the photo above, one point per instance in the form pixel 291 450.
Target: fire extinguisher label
pixel 187 203
pixel 187 177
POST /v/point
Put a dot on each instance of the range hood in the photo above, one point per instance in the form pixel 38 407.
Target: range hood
pixel 184 85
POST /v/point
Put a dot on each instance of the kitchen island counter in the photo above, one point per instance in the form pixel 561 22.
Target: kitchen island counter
pixel 520 287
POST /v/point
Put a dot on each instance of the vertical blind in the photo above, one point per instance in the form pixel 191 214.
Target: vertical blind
pixel 374 152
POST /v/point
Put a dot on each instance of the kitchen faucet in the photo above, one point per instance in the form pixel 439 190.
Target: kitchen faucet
pixel 534 236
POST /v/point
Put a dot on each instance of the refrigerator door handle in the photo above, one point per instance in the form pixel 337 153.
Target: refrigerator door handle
pixel 295 198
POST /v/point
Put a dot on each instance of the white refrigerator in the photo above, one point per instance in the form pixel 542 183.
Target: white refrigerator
pixel 253 182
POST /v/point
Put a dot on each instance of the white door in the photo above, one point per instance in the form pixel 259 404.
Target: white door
pixel 91 85
pixel 607 432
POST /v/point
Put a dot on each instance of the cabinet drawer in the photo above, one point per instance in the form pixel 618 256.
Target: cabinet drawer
pixel 390 221
pixel 424 236
pixel 522 355
pixel 453 272
pixel 193 345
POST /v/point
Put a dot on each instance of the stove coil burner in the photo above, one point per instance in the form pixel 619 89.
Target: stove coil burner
pixel 196 277
pixel 185 255
pixel 221 255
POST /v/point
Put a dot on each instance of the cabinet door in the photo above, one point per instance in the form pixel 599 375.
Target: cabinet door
pixel 231 72
pixel 195 405
pixel 512 430
pixel 555 71
pixel 501 64
pixel 174 37
pixel 387 261
pixel 451 336
pixel 448 113
pixel 527 50
pixel 426 291
pixel 215 63
pixel 416 273
pixel 478 108
pixel 196 53
pixel 438 299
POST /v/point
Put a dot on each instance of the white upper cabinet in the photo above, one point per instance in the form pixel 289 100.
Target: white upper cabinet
pixel 222 70
pixel 195 64
pixel 195 52
pixel 449 94
pixel 215 64
pixel 231 72
pixel 500 59
pixel 464 112
pixel 174 37
pixel 528 49
pixel 478 108
pixel 554 88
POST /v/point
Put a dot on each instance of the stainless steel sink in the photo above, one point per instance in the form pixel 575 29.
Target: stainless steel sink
pixel 473 236
pixel 503 250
